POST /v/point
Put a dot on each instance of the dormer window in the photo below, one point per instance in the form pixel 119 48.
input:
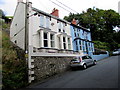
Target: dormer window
pixel 61 27
pixel 63 30
pixel 47 22
pixel 42 21
pixel 59 30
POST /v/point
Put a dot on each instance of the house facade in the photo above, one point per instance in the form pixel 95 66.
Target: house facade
pixel 81 38
pixel 46 32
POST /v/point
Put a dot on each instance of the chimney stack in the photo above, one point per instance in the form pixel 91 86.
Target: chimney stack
pixel 74 22
pixel 55 12
pixel 19 1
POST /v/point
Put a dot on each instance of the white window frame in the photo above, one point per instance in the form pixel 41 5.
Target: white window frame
pixel 52 40
pixel 69 44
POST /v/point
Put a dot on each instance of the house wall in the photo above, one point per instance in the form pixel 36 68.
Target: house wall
pixel 17 28
pixel 34 23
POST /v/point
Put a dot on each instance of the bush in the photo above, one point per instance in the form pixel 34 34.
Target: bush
pixel 14 69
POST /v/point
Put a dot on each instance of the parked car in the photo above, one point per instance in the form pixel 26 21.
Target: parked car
pixel 116 52
pixel 82 61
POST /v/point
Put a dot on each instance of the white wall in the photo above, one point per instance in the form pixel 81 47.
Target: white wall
pixel 18 26
pixel 34 23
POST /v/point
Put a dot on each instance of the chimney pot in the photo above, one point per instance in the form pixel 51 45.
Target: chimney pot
pixel 74 22
pixel 55 12
pixel 20 1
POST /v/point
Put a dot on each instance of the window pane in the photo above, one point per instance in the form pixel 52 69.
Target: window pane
pixel 76 48
pixel 51 37
pixel 45 35
pixel 80 47
pixel 45 43
pixel 75 34
pixel 79 42
pixel 42 21
pixel 68 40
pixel 64 39
pixel 76 43
pixel 64 45
pixel 47 22
pixel 59 30
pixel 52 44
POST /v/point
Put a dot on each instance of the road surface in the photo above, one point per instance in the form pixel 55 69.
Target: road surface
pixel 102 75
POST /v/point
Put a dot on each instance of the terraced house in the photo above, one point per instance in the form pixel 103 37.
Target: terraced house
pixel 81 38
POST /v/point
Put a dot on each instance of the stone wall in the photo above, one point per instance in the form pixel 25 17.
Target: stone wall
pixel 45 67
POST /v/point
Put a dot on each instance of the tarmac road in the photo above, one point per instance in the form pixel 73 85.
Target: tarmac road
pixel 102 75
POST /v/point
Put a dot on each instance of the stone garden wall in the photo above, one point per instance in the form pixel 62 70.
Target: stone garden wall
pixel 45 67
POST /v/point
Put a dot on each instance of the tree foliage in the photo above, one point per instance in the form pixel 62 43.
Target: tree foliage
pixel 101 24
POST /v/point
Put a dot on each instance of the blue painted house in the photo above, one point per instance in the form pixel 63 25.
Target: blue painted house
pixel 81 39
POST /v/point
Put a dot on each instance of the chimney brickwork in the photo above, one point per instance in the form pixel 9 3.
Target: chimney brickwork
pixel 55 12
pixel 74 22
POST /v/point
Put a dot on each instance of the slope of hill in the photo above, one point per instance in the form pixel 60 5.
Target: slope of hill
pixel 14 70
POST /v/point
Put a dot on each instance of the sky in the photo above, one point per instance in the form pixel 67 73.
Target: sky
pixel 8 6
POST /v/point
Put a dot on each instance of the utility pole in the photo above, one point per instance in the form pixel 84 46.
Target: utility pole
pixel 26 35
pixel 26 27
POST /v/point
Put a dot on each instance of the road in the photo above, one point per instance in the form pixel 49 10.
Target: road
pixel 102 75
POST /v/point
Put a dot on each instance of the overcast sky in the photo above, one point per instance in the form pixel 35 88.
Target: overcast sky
pixel 8 6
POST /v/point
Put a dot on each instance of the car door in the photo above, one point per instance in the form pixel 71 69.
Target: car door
pixel 90 60
pixel 86 60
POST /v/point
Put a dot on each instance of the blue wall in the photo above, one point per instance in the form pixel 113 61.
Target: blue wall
pixel 101 56
pixel 81 40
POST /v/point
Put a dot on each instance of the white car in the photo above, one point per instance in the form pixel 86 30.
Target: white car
pixel 116 52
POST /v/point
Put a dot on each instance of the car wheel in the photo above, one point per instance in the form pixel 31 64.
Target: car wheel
pixel 84 66
pixel 94 63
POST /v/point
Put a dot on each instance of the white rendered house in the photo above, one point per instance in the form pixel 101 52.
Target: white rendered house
pixel 45 32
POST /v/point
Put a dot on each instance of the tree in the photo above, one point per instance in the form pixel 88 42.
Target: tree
pixel 100 22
